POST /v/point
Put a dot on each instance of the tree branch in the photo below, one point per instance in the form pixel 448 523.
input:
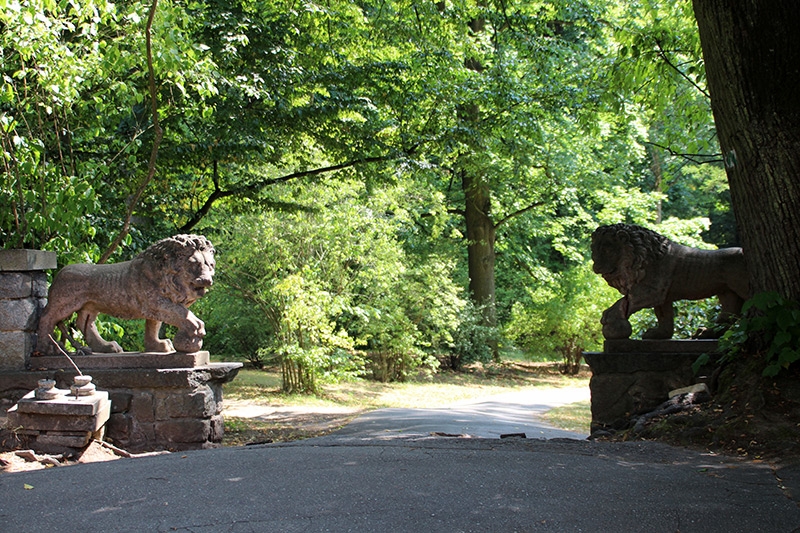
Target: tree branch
pixel 698 159
pixel 159 134
pixel 518 213
pixel 252 188
pixel 669 63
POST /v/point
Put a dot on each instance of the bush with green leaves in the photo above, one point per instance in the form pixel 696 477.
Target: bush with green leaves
pixel 770 325
pixel 562 317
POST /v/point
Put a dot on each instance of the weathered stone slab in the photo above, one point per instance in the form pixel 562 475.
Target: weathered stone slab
pixel 671 346
pixel 21 260
pixel 629 363
pixel 63 405
pixel 16 285
pixel 18 314
pixel 69 439
pixel 123 360
pixel 50 421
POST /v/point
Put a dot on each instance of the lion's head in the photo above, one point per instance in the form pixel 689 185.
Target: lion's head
pixel 185 266
pixel 621 253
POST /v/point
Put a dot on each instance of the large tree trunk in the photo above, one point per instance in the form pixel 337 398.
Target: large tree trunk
pixel 752 57
pixel 480 247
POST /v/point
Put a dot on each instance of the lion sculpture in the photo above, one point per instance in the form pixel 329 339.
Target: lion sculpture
pixel 652 271
pixel 158 285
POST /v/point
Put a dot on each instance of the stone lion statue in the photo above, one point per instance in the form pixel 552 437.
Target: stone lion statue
pixel 158 285
pixel 652 271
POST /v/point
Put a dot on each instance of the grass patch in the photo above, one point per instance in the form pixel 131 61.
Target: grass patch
pixel 572 417
pixel 438 390
pixel 304 416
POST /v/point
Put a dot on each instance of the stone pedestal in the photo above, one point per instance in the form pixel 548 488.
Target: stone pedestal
pixel 634 377
pixel 23 295
pixel 66 420
pixel 151 408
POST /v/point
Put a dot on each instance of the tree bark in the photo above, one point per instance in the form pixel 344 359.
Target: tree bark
pixel 480 245
pixel 752 58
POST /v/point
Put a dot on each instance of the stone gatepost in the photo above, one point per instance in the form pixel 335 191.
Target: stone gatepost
pixel 158 401
pixel 633 377
pixel 23 295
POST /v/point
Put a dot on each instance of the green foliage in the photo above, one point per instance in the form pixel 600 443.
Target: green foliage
pixel 690 317
pixel 472 340
pixel 563 316
pixel 306 338
pixel 770 324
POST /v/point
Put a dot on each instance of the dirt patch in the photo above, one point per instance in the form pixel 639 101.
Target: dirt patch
pixel 248 422
pixel 27 460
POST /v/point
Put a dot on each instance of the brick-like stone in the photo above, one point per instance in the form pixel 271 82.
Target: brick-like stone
pixel 70 439
pixel 22 260
pixel 217 428
pixel 14 346
pixel 143 406
pixel 15 285
pixel 197 404
pixel 39 286
pixel 184 430
pixel 120 401
pixel 119 427
pixel 18 315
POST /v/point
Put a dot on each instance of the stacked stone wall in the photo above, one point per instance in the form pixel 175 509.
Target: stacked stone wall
pixel 23 295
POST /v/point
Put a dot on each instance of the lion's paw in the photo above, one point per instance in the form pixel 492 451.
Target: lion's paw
pixel 186 342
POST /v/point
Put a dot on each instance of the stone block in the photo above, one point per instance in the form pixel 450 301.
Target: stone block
pixel 127 360
pixel 199 403
pixel 22 260
pixel 119 428
pixel 217 428
pixel 15 285
pixel 654 346
pixel 186 430
pixel 120 401
pixel 18 315
pixel 14 346
pixel 143 406
pixel 39 286
pixel 68 439
pixel 64 405
pixel 142 437
pixel 45 422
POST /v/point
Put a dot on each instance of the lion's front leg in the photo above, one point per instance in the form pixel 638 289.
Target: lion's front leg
pixel 665 315
pixel 191 329
pixel 615 321
pixel 152 343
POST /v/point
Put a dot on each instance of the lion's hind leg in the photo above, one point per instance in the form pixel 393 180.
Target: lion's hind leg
pixel 67 336
pixel 87 323
pixel 730 308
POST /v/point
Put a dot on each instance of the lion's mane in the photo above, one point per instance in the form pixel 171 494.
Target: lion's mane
pixel 636 247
